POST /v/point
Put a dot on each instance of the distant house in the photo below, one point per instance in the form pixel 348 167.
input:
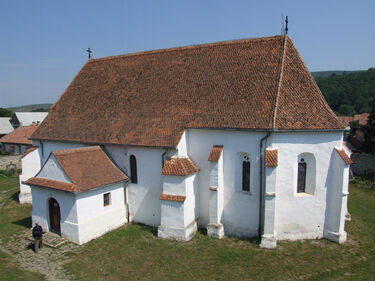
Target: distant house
pixel 356 140
pixel 232 136
pixel 5 128
pixel 17 142
pixel 362 118
pixel 27 118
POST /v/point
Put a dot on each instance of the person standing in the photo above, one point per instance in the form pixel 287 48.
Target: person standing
pixel 38 237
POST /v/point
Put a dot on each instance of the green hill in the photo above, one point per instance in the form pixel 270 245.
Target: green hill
pixel 317 74
pixel 31 107
pixel 349 93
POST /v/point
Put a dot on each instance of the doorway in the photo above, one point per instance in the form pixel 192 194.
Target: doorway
pixel 54 215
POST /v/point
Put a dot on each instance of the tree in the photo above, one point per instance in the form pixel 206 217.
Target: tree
pixel 40 109
pixel 5 112
pixel 369 131
pixel 346 110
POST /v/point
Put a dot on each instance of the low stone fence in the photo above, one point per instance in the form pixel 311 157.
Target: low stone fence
pixel 363 164
pixel 9 162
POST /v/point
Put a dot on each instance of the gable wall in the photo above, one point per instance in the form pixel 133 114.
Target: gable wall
pixel 68 209
pixel 53 171
pixel 302 215
pixel 241 209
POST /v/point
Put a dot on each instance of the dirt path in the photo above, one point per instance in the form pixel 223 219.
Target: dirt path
pixel 48 261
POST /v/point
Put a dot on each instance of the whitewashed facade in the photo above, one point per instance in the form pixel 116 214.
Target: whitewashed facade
pixel 31 164
pixel 214 195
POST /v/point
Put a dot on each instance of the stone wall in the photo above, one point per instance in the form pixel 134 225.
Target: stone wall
pixel 8 162
pixel 363 164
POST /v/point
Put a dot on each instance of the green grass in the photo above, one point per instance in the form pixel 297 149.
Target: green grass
pixel 13 219
pixel 134 252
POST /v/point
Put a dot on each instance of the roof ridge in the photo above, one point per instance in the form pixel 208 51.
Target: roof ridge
pixel 317 87
pixel 187 47
pixel 279 83
pixel 76 150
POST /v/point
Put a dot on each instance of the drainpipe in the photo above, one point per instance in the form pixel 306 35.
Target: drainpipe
pixel 261 185
pixel 162 158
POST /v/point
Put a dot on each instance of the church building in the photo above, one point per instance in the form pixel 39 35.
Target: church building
pixel 233 136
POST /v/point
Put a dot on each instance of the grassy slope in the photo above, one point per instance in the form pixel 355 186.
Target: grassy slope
pixel 13 218
pixel 134 252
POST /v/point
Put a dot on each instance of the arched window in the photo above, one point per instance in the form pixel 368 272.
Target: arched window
pixel 133 169
pixel 246 173
pixel 306 174
pixel 301 178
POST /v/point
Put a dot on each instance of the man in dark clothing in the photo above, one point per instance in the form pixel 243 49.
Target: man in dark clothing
pixel 38 237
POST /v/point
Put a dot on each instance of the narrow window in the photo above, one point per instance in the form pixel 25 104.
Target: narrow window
pixel 107 199
pixel 133 169
pixel 246 174
pixel 301 179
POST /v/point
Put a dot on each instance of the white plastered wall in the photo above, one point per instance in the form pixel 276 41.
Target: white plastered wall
pixel 178 220
pixel 31 164
pixel 240 215
pixel 337 197
pixel 143 197
pixel 83 215
pixel 302 215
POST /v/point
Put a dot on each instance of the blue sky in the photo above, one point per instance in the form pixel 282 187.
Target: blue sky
pixel 43 43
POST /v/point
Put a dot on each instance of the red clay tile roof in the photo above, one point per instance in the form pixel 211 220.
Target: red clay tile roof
pixel 31 149
pixel 179 167
pixel 362 118
pixel 149 98
pixel 271 158
pixel 344 156
pixel 346 119
pixel 20 135
pixel 87 168
pixel 215 153
pixel 176 198
pixel 64 186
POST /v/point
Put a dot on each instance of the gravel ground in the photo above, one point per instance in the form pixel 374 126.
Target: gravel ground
pixel 48 261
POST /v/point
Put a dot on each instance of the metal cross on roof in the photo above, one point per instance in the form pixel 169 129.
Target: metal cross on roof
pixel 286 25
pixel 89 51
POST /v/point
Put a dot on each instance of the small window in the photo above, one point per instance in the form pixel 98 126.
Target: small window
pixel 301 178
pixel 133 169
pixel 246 173
pixel 107 199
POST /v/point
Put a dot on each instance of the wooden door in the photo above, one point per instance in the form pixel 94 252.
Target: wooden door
pixel 54 215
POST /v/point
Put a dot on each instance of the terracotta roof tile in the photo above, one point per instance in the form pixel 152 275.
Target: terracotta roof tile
pixel 179 167
pixel 345 119
pixel 31 149
pixel 149 98
pixel 300 104
pixel 169 197
pixel 70 187
pixel 20 135
pixel 215 153
pixel 362 118
pixel 88 167
pixel 271 158
pixel 344 156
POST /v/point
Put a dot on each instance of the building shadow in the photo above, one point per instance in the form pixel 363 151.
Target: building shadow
pixel 25 222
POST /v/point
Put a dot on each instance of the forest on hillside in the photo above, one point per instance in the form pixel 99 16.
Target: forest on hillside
pixel 349 93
